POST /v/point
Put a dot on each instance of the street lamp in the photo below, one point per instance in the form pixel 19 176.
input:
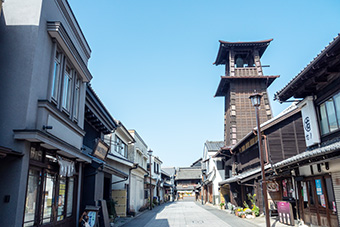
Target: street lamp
pixel 256 102
pixel 150 154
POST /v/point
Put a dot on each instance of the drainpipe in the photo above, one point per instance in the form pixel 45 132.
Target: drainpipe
pixel 79 190
pixel 125 178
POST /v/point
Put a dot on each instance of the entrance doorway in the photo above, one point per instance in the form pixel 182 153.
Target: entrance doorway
pixel 319 202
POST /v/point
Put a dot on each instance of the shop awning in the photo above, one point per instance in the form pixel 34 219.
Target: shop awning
pixel 4 151
pixel 109 169
pixel 243 175
pixel 51 142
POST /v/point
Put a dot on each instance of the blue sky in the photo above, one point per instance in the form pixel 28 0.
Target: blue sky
pixel 152 60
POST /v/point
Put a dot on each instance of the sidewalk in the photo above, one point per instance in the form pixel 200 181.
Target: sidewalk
pixel 258 221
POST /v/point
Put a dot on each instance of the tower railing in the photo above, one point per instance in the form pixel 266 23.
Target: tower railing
pixel 247 71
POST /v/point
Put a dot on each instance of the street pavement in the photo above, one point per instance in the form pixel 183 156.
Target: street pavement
pixel 188 213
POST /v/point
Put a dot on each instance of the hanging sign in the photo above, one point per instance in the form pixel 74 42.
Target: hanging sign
pixel 318 187
pixel 309 120
pixel 272 186
pixel 101 150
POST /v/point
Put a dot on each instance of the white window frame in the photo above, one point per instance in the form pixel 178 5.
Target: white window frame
pixel 76 97
pixel 56 76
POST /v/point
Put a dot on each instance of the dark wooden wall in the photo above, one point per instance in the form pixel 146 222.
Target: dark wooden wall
pixel 286 139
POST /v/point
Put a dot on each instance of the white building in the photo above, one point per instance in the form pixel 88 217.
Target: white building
pixel 213 171
pixel 137 153
pixel 119 141
pixel 156 175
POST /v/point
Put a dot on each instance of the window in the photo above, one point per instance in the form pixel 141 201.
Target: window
pixel 330 114
pixel 76 99
pixel 120 147
pixel 67 89
pixel 61 199
pixel 49 197
pixel 56 70
pixel 31 196
pixel 70 189
pixel 66 86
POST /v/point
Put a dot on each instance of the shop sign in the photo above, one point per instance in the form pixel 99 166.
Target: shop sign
pixel 272 186
pixel 323 202
pixel 285 213
pixel 309 120
pixel 318 187
pixel 101 150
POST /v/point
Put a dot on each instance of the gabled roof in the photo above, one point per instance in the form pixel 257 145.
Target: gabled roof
pixel 170 170
pixel 214 145
pixel 225 46
pixel 314 68
pixel 187 173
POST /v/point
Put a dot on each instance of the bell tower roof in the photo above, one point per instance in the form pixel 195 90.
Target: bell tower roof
pixel 225 47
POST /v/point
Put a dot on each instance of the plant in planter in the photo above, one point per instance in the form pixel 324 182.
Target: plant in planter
pixel 255 210
pixel 241 214
pixel 238 210
pixel 222 205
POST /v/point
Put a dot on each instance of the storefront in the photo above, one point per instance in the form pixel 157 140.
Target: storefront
pixel 51 189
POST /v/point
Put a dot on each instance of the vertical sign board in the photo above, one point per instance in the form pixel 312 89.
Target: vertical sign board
pixel 318 187
pixel 309 120
pixel 92 213
pixel 285 213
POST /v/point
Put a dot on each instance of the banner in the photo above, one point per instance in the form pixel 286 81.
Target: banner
pixel 309 120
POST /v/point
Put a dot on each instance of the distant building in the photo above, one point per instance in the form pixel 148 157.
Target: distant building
pixel 187 180
pixel 119 141
pixel 197 163
pixel 170 172
pixel 137 153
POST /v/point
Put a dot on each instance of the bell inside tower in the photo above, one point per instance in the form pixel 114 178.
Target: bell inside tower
pixel 244 59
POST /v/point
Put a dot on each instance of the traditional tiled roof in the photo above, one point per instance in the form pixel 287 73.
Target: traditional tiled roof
pixel 243 175
pixel 214 145
pixel 169 170
pixel 325 148
pixel 224 46
pixel 285 93
pixel 187 173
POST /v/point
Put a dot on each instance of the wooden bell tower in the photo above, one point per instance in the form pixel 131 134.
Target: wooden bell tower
pixel 243 76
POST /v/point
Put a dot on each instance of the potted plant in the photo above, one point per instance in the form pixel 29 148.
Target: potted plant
pixel 241 214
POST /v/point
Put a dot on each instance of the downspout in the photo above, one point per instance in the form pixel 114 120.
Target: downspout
pixel 125 178
pixel 78 193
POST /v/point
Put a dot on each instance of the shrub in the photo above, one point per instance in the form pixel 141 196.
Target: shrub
pixel 111 208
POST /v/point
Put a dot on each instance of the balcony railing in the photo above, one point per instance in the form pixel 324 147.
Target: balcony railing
pixel 247 71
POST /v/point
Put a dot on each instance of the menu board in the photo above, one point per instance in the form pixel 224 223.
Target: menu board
pixel 285 213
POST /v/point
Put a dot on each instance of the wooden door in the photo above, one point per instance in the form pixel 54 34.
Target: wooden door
pixel 319 209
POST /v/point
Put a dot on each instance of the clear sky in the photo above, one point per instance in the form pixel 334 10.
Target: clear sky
pixel 152 60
